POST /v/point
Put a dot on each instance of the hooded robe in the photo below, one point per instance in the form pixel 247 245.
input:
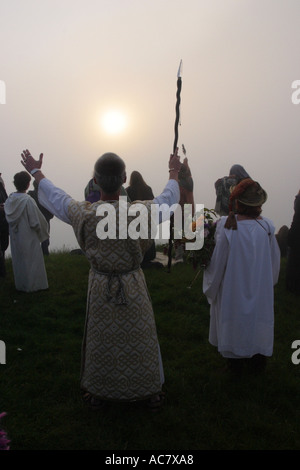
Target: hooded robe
pixel 27 229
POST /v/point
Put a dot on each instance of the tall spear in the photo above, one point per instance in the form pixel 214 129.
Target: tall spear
pixel 177 120
pixel 177 107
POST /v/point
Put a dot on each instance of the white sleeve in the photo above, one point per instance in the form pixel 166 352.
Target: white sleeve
pixel 213 274
pixel 275 258
pixel 169 197
pixel 54 199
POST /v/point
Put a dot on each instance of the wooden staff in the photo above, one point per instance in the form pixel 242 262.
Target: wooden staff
pixel 177 121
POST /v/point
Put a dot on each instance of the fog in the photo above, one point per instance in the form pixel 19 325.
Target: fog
pixel 66 63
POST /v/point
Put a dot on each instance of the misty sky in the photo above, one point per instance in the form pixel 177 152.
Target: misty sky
pixel 66 63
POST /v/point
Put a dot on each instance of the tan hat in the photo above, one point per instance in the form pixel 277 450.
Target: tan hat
pixel 248 192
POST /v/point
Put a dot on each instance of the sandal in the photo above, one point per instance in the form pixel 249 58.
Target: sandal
pixel 92 401
pixel 155 403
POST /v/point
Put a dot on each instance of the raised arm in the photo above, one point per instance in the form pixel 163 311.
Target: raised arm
pixel 174 166
pixel 33 166
pixel 171 192
pixel 51 197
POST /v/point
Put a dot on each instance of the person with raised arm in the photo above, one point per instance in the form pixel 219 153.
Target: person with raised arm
pixel 121 359
pixel 28 228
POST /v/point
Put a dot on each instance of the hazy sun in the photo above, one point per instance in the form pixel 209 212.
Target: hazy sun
pixel 114 122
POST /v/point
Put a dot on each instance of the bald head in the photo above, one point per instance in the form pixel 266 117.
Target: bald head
pixel 109 172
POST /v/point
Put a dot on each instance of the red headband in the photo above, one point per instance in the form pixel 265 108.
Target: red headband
pixel 240 189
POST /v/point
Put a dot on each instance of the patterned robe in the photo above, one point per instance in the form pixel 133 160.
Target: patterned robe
pixel 120 356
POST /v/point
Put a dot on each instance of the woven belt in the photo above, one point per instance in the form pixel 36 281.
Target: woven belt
pixel 120 297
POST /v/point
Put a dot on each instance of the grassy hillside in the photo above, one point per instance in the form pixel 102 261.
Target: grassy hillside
pixel 205 407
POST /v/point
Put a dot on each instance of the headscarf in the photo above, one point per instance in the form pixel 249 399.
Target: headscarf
pixel 239 171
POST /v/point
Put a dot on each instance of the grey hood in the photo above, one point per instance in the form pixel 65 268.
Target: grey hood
pixel 14 206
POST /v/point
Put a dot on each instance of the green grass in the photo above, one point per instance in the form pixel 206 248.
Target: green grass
pixel 205 408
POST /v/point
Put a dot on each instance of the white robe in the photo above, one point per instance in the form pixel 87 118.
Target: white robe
pixel 239 285
pixel 27 229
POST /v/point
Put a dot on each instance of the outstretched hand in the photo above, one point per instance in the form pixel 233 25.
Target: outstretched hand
pixel 29 162
pixel 174 162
